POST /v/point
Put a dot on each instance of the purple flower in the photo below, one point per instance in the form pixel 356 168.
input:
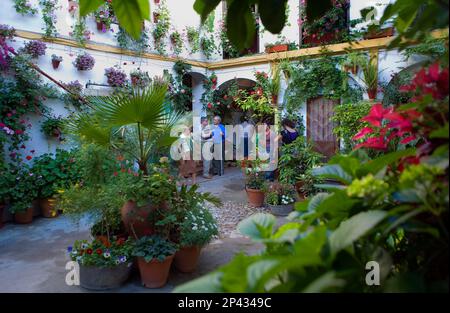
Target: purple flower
pixel 69 249
pixel 84 62
pixel 35 48
pixel 116 77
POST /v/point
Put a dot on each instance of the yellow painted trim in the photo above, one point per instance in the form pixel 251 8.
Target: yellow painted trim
pixel 104 48
pixel 340 48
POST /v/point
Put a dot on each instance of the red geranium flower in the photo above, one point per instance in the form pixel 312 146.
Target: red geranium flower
pixel 99 251
pixel 29 157
pixel 89 251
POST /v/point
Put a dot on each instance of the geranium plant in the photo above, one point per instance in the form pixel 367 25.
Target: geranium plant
pixel 51 127
pixel 198 227
pixel 177 42
pixel 24 7
pixel 140 78
pixel 280 194
pixel 104 17
pixel 84 62
pixel 154 248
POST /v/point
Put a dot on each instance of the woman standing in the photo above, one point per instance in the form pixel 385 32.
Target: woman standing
pixel 187 165
pixel 289 134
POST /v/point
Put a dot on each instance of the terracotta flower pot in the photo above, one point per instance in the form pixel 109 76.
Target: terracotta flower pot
pixel 186 259
pixel 136 220
pixel 277 48
pixel 97 278
pixel 2 207
pixel 298 187
pixel 274 99
pixel 372 93
pixel 156 16
pixel 387 32
pixel 48 208
pixel 154 274
pixel 25 217
pixel 255 197
pixel 100 26
pixel 55 64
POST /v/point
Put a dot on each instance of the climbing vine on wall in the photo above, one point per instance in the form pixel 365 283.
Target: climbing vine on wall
pixel 24 7
pixel 161 29
pixel 180 93
pixel 49 17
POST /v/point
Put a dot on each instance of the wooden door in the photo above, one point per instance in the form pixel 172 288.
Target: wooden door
pixel 320 127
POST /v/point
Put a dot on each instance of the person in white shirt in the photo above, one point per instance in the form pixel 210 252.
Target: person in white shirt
pixel 207 141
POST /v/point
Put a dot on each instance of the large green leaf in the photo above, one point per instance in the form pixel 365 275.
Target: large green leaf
pixel 273 19
pixel 259 272
pixel 324 282
pixel 378 164
pixel 241 25
pixel 131 14
pixel 355 227
pixel 335 172
pixel 88 6
pixel 258 226
pixel 205 7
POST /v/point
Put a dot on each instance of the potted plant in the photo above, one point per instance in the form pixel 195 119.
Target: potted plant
pixel 5 185
pixel 56 60
pixel 84 62
pixel 104 17
pixel 177 42
pixel 52 173
pixel 51 127
pixel 103 265
pixel 255 184
pixel 154 256
pixel 195 226
pixel 370 73
pixel 139 78
pixel 35 48
pixel 375 30
pixel 22 195
pixel 116 77
pixel 275 84
pixel 280 199
pixel 353 62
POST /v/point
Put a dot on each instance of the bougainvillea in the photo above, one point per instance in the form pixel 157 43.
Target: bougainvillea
pixel 84 62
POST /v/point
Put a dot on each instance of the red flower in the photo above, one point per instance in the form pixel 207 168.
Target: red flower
pixel 362 133
pixel 99 251
pixel 377 143
pixel 29 157
pixel 89 251
pixel 376 115
pixel 115 174
pixel 210 105
pixel 19 132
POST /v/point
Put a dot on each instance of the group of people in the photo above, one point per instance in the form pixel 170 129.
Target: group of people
pixel 213 139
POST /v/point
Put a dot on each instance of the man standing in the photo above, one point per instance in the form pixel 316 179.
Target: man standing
pixel 219 146
pixel 207 143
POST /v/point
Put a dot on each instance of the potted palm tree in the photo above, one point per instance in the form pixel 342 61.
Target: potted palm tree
pixel 154 255
pixel 137 124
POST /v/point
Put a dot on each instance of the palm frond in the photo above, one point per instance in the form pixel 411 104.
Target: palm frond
pixel 88 128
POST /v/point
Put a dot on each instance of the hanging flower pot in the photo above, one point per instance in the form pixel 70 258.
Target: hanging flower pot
pixel 274 99
pixel 386 32
pixel 100 25
pixel 277 48
pixel 156 16
pixel 157 1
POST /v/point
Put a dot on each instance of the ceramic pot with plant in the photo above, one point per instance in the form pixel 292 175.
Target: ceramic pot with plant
pixel 197 229
pixel 51 127
pixel 255 185
pixel 35 48
pixel 154 256
pixel 139 78
pixel 56 60
pixel 280 199
pixel 370 73
pixel 84 62
pixel 103 265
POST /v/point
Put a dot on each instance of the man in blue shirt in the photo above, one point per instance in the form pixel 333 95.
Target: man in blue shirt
pixel 219 146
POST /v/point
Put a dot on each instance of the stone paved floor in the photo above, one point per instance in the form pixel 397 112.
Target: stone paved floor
pixel 32 257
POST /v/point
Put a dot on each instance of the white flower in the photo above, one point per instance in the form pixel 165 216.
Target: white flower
pixel 194 228
pixel 106 255
pixel 84 246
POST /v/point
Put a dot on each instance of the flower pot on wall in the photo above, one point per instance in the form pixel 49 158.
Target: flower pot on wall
pixel 48 208
pixel 154 274
pixel 156 16
pixel 25 217
pixel 387 32
pixel 100 25
pixel 274 99
pixel 97 278
pixel 277 48
pixel 55 64
pixel 255 197
pixel 186 259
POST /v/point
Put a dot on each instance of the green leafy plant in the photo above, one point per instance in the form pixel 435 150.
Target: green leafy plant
pixel 254 177
pixel 208 45
pixel 177 42
pixel 24 7
pixel 161 29
pixel 52 126
pixel 370 73
pixel 49 17
pixel 80 33
pixel 347 118
pixel 280 194
pixel 154 248
pixel 193 37
pixel 23 190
